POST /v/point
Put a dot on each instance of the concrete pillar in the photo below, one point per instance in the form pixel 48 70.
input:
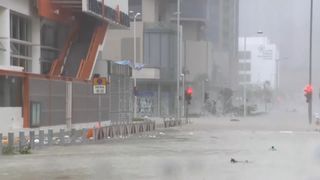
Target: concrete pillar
pixel 50 136
pixel 1 143
pixel 159 99
pixel 69 105
pixel 5 36
pixel 61 135
pixel 21 140
pixel 32 136
pixel 41 137
pixel 10 139
pixel 36 50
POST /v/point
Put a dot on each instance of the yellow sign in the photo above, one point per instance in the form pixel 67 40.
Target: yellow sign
pixel 100 85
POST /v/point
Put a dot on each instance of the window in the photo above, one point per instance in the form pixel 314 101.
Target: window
pixel 10 91
pixel 49 46
pixel 35 114
pixel 245 78
pixel 245 55
pixel 20 44
pixel 244 66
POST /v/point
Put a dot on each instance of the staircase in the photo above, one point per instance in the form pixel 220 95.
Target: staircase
pixel 87 64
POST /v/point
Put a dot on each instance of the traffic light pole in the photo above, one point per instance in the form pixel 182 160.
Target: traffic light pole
pixel 310 62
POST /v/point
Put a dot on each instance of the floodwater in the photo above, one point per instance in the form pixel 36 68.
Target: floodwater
pixel 199 151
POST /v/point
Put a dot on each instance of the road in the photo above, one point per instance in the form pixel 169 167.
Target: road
pixel 199 151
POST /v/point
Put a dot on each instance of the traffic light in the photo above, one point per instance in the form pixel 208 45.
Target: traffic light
pixel 308 93
pixel 188 95
pixel 206 97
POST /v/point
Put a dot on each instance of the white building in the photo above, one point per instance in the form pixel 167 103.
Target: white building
pixel 258 59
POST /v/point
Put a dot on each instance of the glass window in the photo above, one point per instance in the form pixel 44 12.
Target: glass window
pixel 35 114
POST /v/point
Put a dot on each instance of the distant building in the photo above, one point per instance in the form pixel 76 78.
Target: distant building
pixel 258 59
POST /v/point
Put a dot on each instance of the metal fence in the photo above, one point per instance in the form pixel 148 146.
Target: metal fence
pixel 61 100
pixel 51 95
pixel 25 142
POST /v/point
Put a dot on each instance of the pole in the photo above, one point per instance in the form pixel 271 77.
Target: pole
pixel 244 84
pixel 183 97
pixel 99 111
pixel 134 62
pixel 310 63
pixel 178 60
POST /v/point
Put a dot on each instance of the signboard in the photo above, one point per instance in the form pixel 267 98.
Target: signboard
pixel 100 85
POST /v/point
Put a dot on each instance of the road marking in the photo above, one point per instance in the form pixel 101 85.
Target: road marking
pixel 286 132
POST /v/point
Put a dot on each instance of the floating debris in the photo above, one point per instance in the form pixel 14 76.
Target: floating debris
pixel 273 148
pixel 232 160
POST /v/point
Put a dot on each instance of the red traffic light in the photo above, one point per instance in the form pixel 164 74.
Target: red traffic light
pixel 189 90
pixel 308 89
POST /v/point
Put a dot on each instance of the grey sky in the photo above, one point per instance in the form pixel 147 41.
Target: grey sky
pixel 286 23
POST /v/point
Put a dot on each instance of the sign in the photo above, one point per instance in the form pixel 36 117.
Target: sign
pixel 99 85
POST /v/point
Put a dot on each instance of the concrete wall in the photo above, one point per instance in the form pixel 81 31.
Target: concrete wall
pixel 21 6
pixel 115 50
pixel 5 36
pixel 197 59
pixel 150 10
pixel 11 119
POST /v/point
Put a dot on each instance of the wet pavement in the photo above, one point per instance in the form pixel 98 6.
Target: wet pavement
pixel 199 151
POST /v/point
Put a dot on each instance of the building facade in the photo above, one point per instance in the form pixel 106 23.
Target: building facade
pixel 208 57
pixel 49 50
pixel 258 61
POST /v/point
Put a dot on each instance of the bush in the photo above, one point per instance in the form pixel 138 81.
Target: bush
pixel 8 150
pixel 25 149
pixel 138 119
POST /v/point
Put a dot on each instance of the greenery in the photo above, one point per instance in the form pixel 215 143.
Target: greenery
pixel 138 119
pixel 8 150
pixel 26 149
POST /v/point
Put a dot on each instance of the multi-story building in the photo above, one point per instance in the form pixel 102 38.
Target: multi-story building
pixel 48 55
pixel 209 49
pixel 258 60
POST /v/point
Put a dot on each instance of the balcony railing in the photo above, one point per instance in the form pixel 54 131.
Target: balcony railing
pixel 109 13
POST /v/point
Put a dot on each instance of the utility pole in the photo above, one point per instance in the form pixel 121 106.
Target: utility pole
pixel 178 60
pixel 310 62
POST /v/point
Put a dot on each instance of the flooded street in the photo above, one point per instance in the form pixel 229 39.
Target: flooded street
pixel 201 150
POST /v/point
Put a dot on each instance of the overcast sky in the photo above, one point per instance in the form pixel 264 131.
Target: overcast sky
pixel 286 23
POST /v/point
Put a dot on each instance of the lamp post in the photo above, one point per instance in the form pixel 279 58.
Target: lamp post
pixel 135 60
pixel 245 79
pixel 183 97
pixel 310 62
pixel 178 60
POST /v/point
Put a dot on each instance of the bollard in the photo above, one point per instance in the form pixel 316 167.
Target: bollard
pixel 21 141
pixel 31 134
pixel 73 135
pixel 41 138
pixel 95 134
pixel 10 139
pixel 61 135
pixel 1 146
pixel 50 136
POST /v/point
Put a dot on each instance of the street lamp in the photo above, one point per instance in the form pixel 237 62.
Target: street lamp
pixel 310 62
pixel 178 60
pixel 245 79
pixel 135 60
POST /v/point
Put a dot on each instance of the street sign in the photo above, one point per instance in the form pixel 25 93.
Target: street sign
pixel 99 85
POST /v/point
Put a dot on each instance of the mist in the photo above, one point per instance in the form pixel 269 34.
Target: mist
pixel 286 23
